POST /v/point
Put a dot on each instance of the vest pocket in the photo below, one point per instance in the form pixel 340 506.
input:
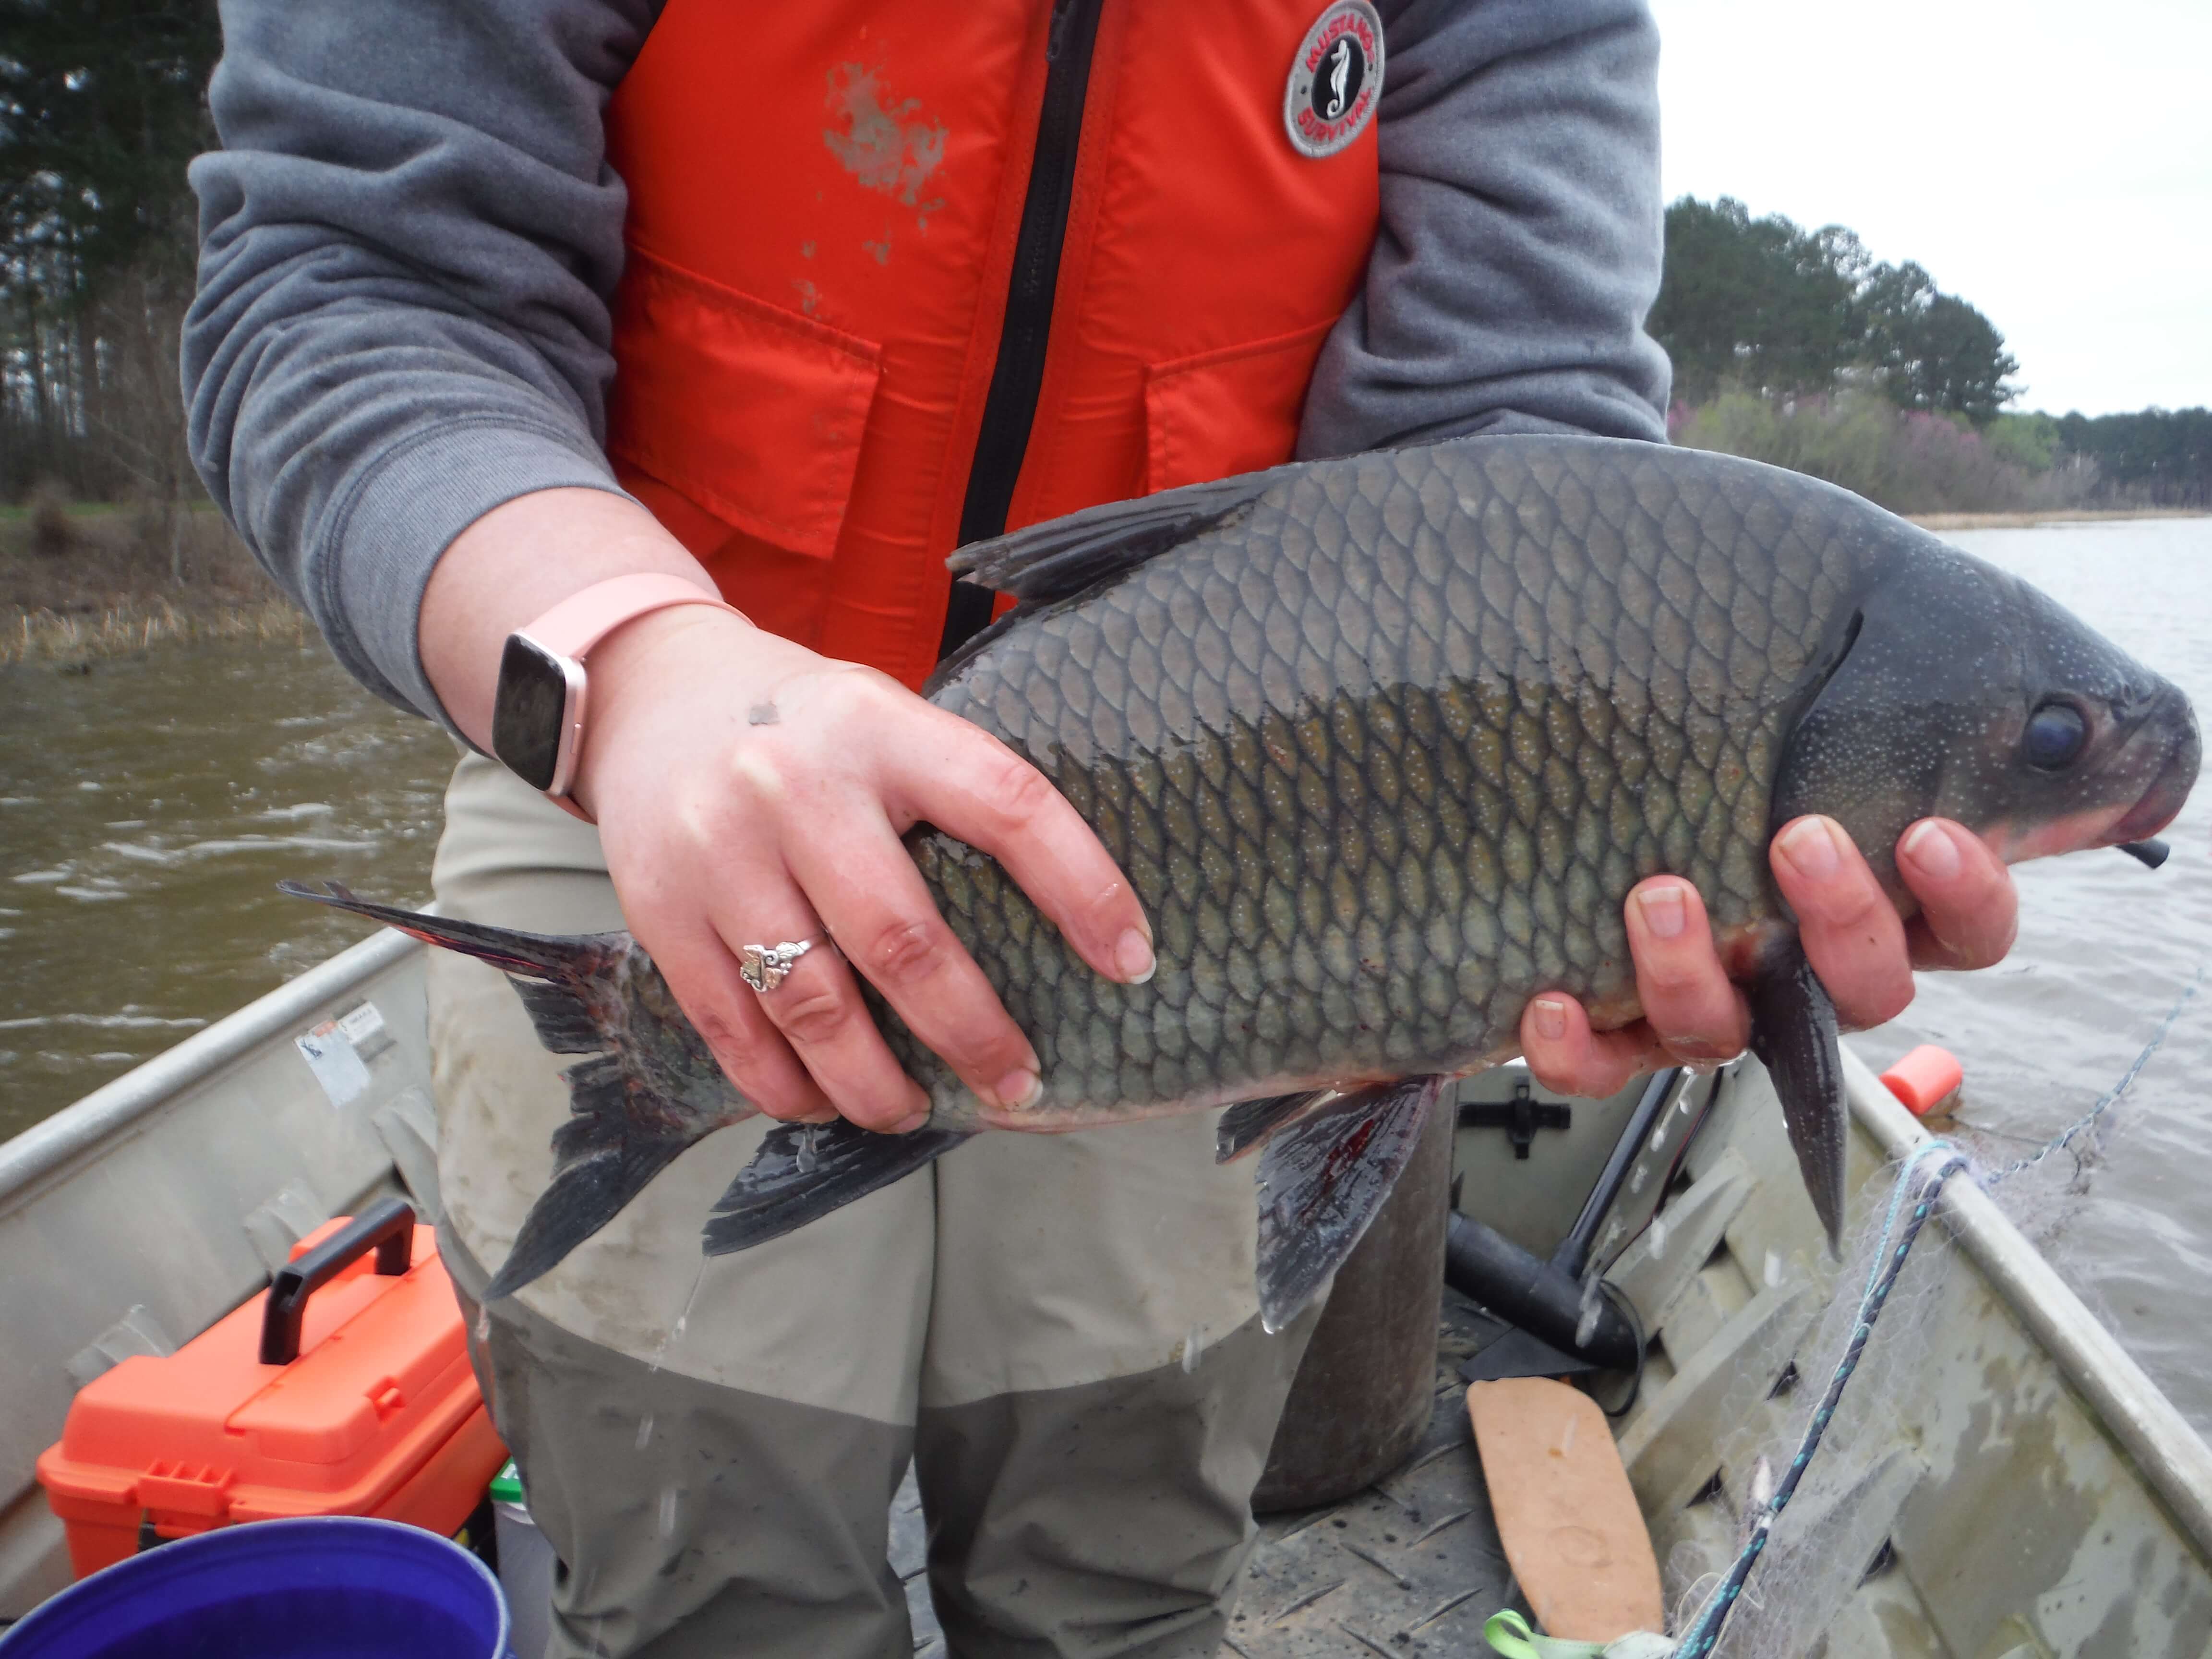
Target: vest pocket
pixel 754 413
pixel 1231 411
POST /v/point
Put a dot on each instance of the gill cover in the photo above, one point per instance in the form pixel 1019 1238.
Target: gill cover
pixel 1899 725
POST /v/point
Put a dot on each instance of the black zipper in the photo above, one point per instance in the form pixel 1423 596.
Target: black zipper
pixel 1010 408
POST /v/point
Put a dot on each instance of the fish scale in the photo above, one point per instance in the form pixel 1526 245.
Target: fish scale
pixel 1383 757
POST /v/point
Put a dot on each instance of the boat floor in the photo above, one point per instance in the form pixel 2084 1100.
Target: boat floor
pixel 1412 1565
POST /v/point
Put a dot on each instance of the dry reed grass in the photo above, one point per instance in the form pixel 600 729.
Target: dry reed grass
pixel 96 583
pixel 48 636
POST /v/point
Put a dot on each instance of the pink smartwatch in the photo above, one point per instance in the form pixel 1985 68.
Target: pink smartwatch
pixel 538 714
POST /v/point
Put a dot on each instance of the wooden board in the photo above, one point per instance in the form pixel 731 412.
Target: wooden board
pixel 1564 1511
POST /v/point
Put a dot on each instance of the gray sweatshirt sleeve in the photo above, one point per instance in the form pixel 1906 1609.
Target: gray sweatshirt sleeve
pixel 407 244
pixel 1519 248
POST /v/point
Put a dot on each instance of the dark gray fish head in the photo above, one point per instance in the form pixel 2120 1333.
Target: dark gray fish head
pixel 1953 689
pixel 1962 692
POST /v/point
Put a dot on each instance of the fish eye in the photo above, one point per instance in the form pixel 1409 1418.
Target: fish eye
pixel 2056 734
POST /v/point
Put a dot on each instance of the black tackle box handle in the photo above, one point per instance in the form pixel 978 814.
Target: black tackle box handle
pixel 386 1227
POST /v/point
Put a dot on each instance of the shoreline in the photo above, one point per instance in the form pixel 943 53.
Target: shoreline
pixel 67 640
pixel 2036 518
pixel 99 585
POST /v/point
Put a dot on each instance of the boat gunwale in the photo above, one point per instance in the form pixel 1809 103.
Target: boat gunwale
pixel 2173 1458
pixel 82 1128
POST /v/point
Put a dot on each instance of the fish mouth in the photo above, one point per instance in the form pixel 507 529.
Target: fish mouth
pixel 2162 802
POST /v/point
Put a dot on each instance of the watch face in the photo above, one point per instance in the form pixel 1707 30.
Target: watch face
pixel 531 711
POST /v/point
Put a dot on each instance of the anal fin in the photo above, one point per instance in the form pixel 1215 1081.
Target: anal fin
pixel 1322 1180
pixel 804 1170
pixel 1793 1032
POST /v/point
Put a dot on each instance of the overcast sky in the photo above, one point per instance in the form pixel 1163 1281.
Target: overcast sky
pixel 2050 163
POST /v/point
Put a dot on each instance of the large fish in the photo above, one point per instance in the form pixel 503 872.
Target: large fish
pixel 1383 743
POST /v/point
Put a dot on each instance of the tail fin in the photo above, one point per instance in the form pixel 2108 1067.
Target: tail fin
pixel 554 974
pixel 603 1157
pixel 804 1170
pixel 650 1090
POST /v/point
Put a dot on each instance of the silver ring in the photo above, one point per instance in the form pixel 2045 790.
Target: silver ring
pixel 765 966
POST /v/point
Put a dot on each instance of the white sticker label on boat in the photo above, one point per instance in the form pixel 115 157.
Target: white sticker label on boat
pixel 330 1055
pixel 364 1029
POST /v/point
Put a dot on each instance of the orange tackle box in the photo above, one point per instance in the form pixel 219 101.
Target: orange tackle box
pixel 343 1389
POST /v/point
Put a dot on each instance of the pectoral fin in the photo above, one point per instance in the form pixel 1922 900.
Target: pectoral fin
pixel 1322 1180
pixel 1246 1126
pixel 1793 1032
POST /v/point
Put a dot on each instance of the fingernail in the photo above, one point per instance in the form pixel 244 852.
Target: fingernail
pixel 1810 845
pixel 1699 1049
pixel 1931 850
pixel 1019 1090
pixel 1551 1020
pixel 907 1125
pixel 1133 957
pixel 1664 913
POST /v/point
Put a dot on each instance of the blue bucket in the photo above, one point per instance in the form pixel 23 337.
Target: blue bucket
pixel 337 1587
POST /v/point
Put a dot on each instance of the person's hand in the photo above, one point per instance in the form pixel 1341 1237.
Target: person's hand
pixel 749 791
pixel 1863 952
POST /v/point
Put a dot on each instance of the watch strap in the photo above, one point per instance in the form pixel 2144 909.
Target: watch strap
pixel 580 621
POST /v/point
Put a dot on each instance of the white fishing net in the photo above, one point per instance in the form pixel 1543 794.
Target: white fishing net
pixel 1831 1536
pixel 1833 1533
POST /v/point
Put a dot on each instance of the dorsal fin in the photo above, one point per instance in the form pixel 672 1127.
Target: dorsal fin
pixel 1044 563
pixel 1064 556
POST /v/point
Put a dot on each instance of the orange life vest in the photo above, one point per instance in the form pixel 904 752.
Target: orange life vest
pixel 827 202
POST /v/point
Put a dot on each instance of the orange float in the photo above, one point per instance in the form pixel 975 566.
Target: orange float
pixel 1927 1080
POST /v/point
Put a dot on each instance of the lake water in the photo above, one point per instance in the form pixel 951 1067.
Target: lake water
pixel 146 809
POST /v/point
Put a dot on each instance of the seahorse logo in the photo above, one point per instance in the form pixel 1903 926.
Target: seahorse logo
pixel 1336 79
pixel 1340 59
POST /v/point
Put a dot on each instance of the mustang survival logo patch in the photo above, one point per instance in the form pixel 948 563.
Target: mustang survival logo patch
pixel 1336 79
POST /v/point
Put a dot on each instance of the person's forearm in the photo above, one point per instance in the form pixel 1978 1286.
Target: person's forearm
pixel 402 316
pixel 513 564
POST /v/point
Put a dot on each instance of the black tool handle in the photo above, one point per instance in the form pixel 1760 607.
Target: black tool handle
pixel 386 1227
pixel 1532 1294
